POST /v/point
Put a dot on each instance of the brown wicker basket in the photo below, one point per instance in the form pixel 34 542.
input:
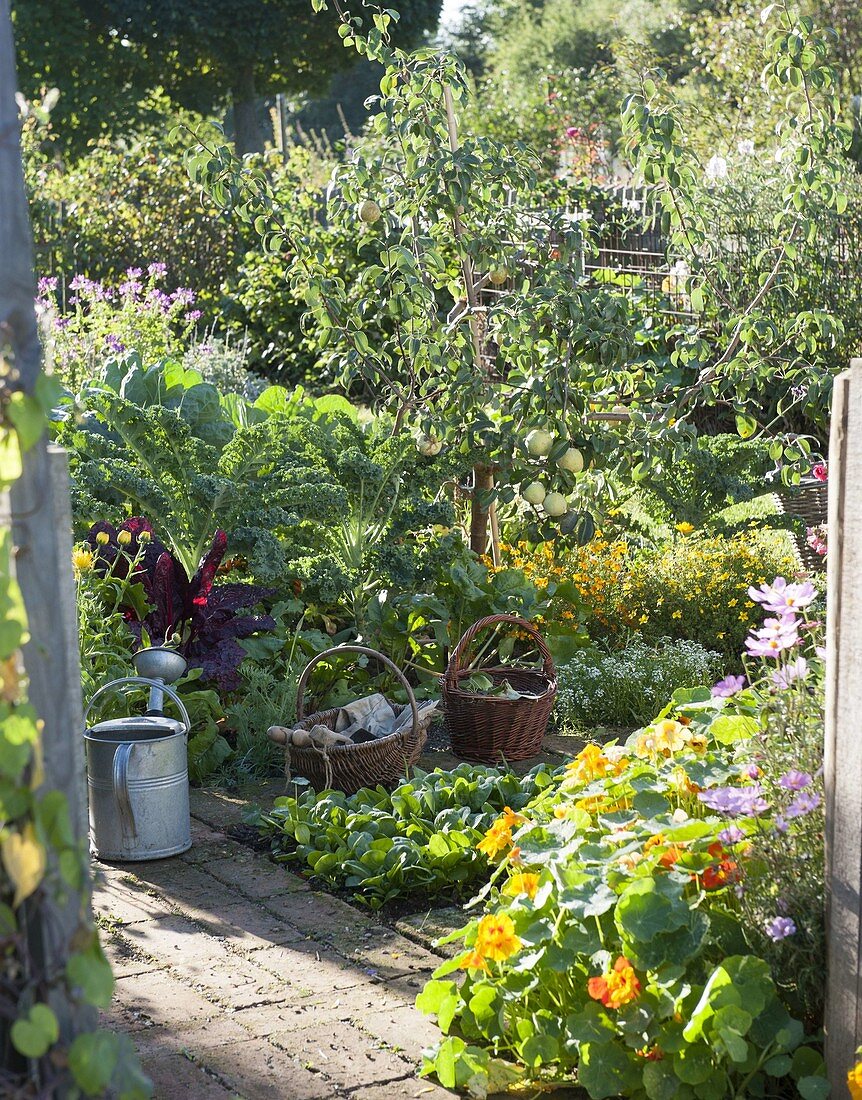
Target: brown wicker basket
pixel 349 767
pixel 489 730
pixel 808 505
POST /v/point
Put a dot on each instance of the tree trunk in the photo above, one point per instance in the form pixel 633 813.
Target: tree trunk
pixel 248 135
pixel 483 478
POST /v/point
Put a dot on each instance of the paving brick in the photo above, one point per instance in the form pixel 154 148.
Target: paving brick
pixel 410 1088
pixel 128 903
pixel 173 939
pixel 217 809
pixel 254 875
pixel 344 1054
pixel 260 1071
pixel 125 961
pixel 310 967
pixel 176 1077
pixel 297 1011
pixel 384 951
pixel 164 1001
pixel 407 1030
pixel 243 925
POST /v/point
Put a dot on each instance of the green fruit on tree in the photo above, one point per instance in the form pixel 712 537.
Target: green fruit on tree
pixel 534 493
pixel 539 442
pixel 571 460
pixel 428 445
pixel 498 275
pixel 369 212
pixel 555 504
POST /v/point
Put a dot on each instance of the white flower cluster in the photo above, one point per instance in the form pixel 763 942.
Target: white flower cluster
pixel 628 687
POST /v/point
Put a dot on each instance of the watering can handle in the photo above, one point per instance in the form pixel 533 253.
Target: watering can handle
pixel 121 789
pixel 142 681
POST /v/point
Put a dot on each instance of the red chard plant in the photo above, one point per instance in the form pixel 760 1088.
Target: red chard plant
pixel 203 620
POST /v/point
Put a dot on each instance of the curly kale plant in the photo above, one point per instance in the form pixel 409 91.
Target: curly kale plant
pixel 200 616
pixel 312 500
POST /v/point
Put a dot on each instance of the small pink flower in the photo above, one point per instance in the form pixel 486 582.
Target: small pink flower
pixel 573 131
pixel 820 471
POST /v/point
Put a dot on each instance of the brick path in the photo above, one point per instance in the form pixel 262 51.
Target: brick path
pixel 236 980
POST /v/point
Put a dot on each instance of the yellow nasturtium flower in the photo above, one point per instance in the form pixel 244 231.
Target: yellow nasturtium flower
pixel 854 1081
pixel 496 938
pixel 525 882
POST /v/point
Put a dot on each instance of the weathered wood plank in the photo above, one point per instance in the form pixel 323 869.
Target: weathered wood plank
pixel 843 748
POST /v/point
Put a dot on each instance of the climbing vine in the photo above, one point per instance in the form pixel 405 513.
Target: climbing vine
pixel 42 862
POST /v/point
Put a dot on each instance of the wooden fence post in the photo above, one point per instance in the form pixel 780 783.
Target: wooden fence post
pixel 843 747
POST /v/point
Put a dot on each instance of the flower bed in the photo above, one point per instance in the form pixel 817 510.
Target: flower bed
pixel 653 926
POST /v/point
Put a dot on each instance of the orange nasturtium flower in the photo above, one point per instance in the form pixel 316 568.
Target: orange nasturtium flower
pixel 525 882
pixel 473 961
pixel 496 937
pixel 499 836
pixel 618 987
pixel 854 1081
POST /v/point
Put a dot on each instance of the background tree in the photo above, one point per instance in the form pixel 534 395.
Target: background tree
pixel 106 57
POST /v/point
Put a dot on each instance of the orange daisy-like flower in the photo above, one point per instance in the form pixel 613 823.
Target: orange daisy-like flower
pixel 722 873
pixel 496 938
pixel 671 857
pixel 618 987
pixel 473 961
pixel 854 1081
pixel 525 882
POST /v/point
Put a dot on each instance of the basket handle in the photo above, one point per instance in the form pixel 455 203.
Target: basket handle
pixel 459 653
pixel 306 672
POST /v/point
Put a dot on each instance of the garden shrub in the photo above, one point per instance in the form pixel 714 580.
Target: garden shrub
pixel 693 587
pixel 122 205
pixel 647 930
pixel 627 687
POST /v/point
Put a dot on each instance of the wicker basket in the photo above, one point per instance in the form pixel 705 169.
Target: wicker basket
pixel 489 730
pixel 349 767
pixel 808 504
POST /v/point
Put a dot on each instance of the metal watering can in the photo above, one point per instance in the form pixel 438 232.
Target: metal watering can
pixel 137 769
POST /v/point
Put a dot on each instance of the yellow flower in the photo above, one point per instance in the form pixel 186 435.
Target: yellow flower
pixel 496 938
pixel 854 1081
pixel 698 743
pixel 124 538
pixel 82 560
pixel 685 528
pixel 103 538
pixel 676 615
pixel 499 836
pixel 525 882
pixel 590 763
pixel 670 736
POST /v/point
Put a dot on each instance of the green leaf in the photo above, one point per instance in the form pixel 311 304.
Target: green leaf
pixel 92 1060
pixel 650 907
pixel 607 1070
pixel 694 1064
pixel 540 1050
pixel 34 1034
pixel 813 1088
pixel 89 975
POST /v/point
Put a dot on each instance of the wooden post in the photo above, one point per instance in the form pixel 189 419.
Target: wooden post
pixel 39 512
pixel 843 748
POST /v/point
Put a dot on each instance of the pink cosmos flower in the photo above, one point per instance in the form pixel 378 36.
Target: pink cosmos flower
pixel 782 597
pixel 775 636
pixel 730 685
pixel 794 670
